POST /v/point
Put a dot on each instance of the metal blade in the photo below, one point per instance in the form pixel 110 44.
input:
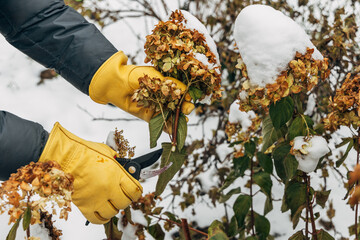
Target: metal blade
pixel 145 174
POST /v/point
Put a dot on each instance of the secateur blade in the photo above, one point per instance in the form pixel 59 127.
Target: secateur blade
pixel 135 166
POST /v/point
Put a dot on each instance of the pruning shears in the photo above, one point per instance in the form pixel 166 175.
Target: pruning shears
pixel 136 166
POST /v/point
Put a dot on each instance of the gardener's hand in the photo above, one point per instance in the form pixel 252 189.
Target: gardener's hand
pixel 101 185
pixel 115 82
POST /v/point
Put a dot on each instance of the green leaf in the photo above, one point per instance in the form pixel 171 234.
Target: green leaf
pixel 241 164
pixel 268 206
pixel 265 162
pixel 219 236
pixel 177 158
pixel 269 133
pixel 233 229
pixel 12 233
pixel 352 229
pixel 195 93
pixel 295 199
pixel 181 132
pixel 323 235
pixel 299 126
pixel 156 126
pixel 111 230
pixel 291 165
pixel 224 198
pixel 156 232
pixel 215 226
pixel 262 226
pixel 296 216
pixel 171 216
pixel 298 236
pixel 157 210
pixel 235 143
pixel 216 231
pixel 349 147
pixel 250 148
pixel 26 218
pixel 241 208
pixel 322 197
pixel 228 181
pixel 281 112
pixel 263 180
pixel 285 163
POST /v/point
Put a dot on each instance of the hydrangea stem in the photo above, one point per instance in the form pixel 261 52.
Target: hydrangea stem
pixel 252 195
pixel 185 228
pixel 356 184
pixel 28 229
pixel 175 126
pixel 309 206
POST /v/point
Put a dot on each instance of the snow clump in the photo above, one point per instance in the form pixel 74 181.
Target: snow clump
pixel 238 116
pixel 193 23
pixel 268 40
pixel 309 151
pixel 129 231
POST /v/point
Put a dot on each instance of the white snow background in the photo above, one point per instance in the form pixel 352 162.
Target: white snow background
pixel 57 100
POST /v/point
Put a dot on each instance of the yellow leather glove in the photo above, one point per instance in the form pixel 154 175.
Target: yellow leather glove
pixel 101 185
pixel 115 82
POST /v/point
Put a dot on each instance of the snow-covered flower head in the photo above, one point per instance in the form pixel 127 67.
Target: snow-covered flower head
pixel 277 57
pixel 308 151
pixel 268 40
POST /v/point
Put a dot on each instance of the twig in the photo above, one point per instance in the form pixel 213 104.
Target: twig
pixel 106 119
pixel 307 224
pixel 309 205
pixel 185 228
pixel 180 225
pixel 251 195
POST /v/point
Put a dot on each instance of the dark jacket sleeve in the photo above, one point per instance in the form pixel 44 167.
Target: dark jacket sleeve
pixel 21 142
pixel 56 36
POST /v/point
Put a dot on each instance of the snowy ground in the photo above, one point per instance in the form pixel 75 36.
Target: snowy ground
pixel 57 100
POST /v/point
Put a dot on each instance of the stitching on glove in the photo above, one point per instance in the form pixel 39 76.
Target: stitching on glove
pixel 126 193
pixel 97 214
pixel 112 205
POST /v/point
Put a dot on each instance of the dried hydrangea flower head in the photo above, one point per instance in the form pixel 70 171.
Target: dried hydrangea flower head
pixel 32 187
pixel 345 106
pixel 154 94
pixel 180 51
pixel 303 73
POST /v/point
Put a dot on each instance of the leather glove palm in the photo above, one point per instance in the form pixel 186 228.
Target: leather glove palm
pixel 101 185
pixel 115 82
